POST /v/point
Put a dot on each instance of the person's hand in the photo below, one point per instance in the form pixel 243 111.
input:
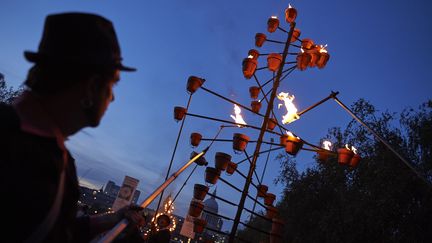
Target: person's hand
pixel 133 214
pixel 101 223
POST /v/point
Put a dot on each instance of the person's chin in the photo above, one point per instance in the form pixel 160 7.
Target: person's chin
pixel 93 122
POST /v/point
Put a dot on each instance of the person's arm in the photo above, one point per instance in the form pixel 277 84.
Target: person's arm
pixel 101 223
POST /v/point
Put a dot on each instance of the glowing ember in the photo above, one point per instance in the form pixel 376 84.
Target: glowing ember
pixel 322 49
pixel 327 145
pixel 289 105
pixel 238 118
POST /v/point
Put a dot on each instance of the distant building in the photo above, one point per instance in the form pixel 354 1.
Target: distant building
pixel 112 190
pixel 95 201
pixel 213 221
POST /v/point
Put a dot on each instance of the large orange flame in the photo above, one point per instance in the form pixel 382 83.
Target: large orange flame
pixel 238 118
pixel 291 114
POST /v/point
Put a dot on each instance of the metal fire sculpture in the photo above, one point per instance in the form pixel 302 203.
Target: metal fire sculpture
pixel 308 55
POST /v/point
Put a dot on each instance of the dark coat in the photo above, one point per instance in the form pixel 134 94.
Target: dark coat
pixel 30 170
pixel 161 236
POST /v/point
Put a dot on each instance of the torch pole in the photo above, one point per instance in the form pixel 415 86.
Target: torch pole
pixel 174 152
pixel 260 138
pixel 384 142
pixel 114 232
pixel 332 95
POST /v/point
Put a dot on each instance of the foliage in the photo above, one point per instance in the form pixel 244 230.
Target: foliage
pixel 6 94
pixel 381 200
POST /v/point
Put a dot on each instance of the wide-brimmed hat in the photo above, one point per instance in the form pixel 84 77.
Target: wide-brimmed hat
pixel 78 38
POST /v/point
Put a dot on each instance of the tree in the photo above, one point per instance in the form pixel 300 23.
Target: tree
pixel 6 94
pixel 381 200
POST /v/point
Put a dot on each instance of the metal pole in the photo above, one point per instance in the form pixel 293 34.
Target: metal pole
pixel 174 151
pixel 119 227
pixel 332 95
pixel 260 138
pixel 262 177
pixel 384 142
pixel 229 100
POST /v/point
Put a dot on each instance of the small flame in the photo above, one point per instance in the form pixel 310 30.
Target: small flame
pixel 323 48
pixel 289 5
pixel 327 145
pixel 291 114
pixel 274 17
pixel 352 148
pixel 290 134
pixel 250 57
pixel 238 118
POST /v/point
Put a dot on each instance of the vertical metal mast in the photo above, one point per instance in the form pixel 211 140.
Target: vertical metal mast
pixel 260 137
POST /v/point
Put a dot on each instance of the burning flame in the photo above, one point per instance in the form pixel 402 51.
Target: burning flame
pixel 327 145
pixel 289 105
pixel 322 48
pixel 250 57
pixel 238 118
pixel 290 134
pixel 352 148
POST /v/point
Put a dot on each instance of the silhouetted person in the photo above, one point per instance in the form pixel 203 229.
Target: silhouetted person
pixel 163 235
pixel 69 87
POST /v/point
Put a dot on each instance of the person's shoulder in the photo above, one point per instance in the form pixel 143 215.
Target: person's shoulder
pixel 8 117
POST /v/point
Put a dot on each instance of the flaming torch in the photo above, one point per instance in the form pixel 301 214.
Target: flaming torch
pixel 323 155
pixel 324 57
pixel 290 14
pixel 291 114
pixel 355 159
pixel 272 24
pixel 345 155
pixel 293 144
pixel 238 117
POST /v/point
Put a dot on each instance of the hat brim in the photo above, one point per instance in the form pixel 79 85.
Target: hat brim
pixel 36 57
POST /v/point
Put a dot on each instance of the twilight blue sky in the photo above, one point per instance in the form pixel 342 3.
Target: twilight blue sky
pixel 379 51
